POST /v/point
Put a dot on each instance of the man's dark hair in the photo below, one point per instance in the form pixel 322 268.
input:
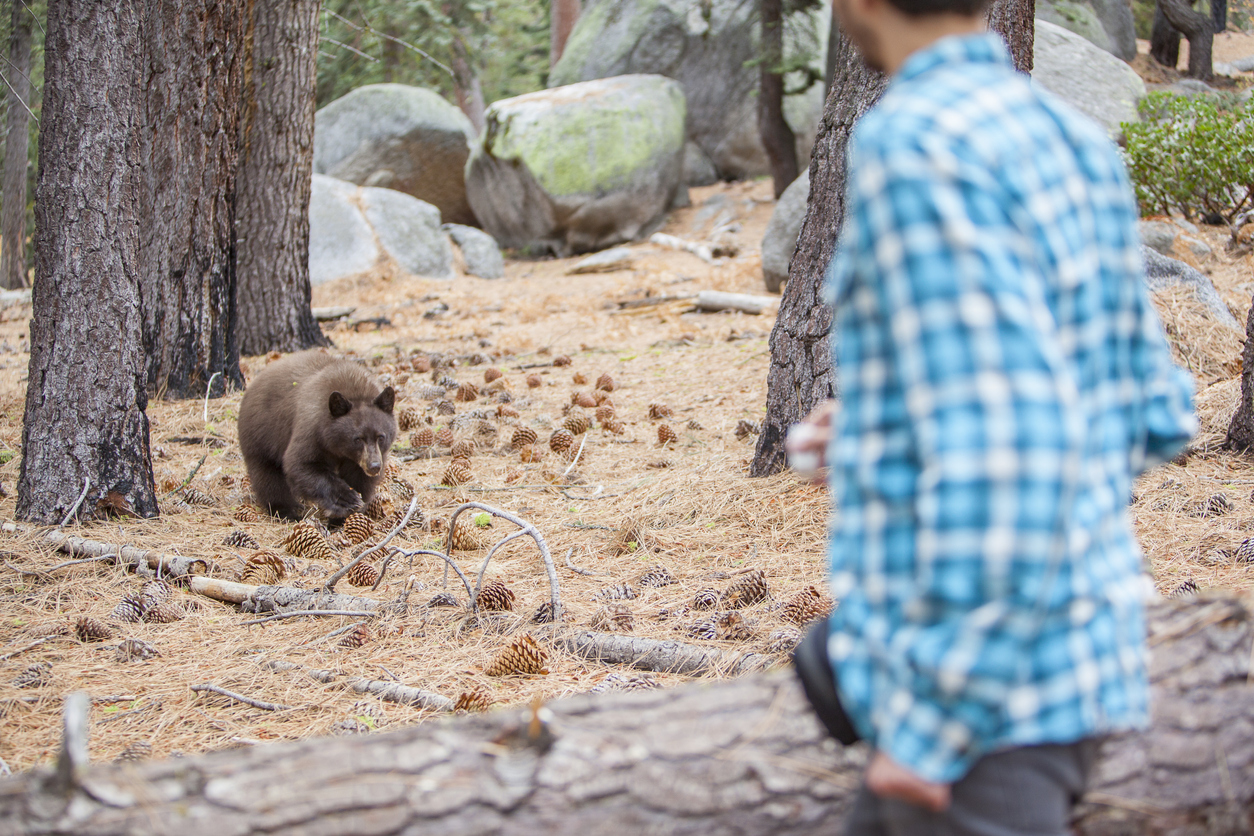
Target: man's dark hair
pixel 923 8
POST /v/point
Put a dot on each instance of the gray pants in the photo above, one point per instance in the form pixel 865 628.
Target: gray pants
pixel 1019 792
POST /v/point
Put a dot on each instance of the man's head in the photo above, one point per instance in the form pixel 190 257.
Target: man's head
pixel 888 31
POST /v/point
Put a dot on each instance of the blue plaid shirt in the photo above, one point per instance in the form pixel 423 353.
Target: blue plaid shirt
pixel 1003 378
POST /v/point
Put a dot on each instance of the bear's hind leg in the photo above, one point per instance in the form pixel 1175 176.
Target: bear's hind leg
pixel 271 491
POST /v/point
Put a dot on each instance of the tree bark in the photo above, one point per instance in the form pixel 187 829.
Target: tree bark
pixel 563 15
pixel 466 85
pixel 742 756
pixel 1241 428
pixel 801 374
pixel 1196 27
pixel 777 137
pixel 1164 40
pixel 192 75
pixel 16 144
pixel 87 391
pixel 275 176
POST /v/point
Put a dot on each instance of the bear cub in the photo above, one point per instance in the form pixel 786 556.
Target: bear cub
pixel 315 430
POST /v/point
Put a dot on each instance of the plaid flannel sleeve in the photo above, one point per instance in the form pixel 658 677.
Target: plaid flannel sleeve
pixel 990 402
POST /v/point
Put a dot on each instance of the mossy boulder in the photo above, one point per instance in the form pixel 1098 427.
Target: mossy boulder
pixel 1089 79
pixel 393 136
pixel 710 47
pixel 580 167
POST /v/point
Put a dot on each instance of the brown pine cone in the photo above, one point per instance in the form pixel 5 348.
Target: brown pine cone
pixel 263 568
pixel 521 656
pixel 584 400
pixel 357 527
pixel 241 540
pixel 605 383
pixel 163 613
pixel 614 618
pixel 445 437
pixel 475 700
pixel 658 410
pixel 456 474
pixel 246 513
pixel 605 413
pixel 463 448
pixel 806 606
pixel 529 454
pixel 306 540
pixel 495 596
pixel 577 423
pixel 380 506
pixel 666 434
pixel 561 360
pixel 522 437
pixel 749 589
pixel 425 437
pixel 356 637
pixel 534 381
pixel 614 426
pixel 504 411
pixel 363 574
pixel 407 417
pixel 467 392
pixel 578 379
pixel 561 440
pixel 129 609
pixel 492 374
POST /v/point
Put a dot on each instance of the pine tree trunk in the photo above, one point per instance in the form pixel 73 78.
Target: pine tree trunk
pixel 275 175
pixel 193 60
pixel 563 15
pixel 1197 28
pixel 466 85
pixel 87 388
pixel 777 137
pixel 16 144
pixel 800 375
pixel 742 756
pixel 1241 428
pixel 1164 40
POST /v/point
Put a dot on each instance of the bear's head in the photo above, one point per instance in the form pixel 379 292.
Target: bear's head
pixel 362 431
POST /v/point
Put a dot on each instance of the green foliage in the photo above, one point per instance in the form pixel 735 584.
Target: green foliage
pixel 1194 156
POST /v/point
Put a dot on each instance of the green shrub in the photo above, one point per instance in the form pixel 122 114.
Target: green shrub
pixel 1193 156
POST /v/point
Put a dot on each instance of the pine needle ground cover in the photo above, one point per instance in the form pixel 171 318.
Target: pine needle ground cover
pixel 650 539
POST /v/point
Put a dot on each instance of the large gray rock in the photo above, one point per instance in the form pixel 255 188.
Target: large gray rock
pixel 780 240
pixel 709 47
pixel 479 251
pixel 1116 18
pixel 1091 80
pixel 397 137
pixel 351 228
pixel 581 167
pixel 1106 24
pixel 1162 272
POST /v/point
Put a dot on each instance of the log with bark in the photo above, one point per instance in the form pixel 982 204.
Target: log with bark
pixel 742 756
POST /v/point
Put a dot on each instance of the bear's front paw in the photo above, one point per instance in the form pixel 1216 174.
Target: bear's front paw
pixel 343 503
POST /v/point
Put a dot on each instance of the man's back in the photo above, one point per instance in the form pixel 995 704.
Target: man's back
pixel 1003 378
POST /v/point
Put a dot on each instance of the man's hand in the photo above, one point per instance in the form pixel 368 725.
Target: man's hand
pixel 807 440
pixel 889 779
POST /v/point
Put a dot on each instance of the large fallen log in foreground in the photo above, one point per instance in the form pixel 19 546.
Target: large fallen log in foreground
pixel 741 756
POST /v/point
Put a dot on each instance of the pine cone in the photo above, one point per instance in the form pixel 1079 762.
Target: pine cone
pixel 749 590
pixel 543 614
pixel 613 426
pixel 746 428
pixel 578 379
pixel 534 381
pixel 418 520
pixel 658 410
pixel 586 400
pixel 1215 505
pixel 401 489
pixel 356 637
pixel 363 574
pixel 615 618
pixel 561 360
pixel 88 629
pixel 561 440
pixel 407 417
pixel 468 535
pixel 495 596
pixel 467 392
pixel 522 437
pixel 443 599
pixel 139 750
pixel 656 576
pixel 784 640
pixel 705 629
pixel 605 383
pixel 163 613
pixel 357 528
pixel 731 626
pixel 521 656
pixel 475 700
pixel 529 453
pixel 153 593
pixel 602 398
pixel 1184 590
pixel 604 413
pixel 806 606
pixel 421 363
pixel 504 411
pixel 263 568
pixel 129 610
pixel 666 434
pixel 445 407
pixel 456 474
pixel 134 650
pixel 463 448
pixel 1244 552
pixel 618 592
pixel 246 514
pixel 445 437
pixel 492 374
pixel 424 437
pixel 577 424
pixel 241 540
pixel 694 425
pixel 379 506
pixel 193 496
pixel 305 540
pixel 36 676
pixel 706 599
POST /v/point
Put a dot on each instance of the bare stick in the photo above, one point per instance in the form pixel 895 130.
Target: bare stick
pixel 264 706
pixel 329 586
pixel 208 389
pixel 389 691
pixel 300 613
pixel 70 563
pixel 25 648
pixel 531 530
pixel 337 631
pixel 77 505
pixel 343 45
pixel 578 453
pixel 191 475
pixel 378 34
pixel 572 567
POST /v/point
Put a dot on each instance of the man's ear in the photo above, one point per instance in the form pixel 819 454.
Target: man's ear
pixel 339 405
pixel 386 400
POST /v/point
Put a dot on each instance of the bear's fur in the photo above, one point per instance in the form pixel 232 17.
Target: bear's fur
pixel 315 430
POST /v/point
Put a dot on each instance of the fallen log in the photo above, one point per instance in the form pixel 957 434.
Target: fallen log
pixel 661 656
pixel 741 756
pixel 387 691
pixel 277 599
pixel 166 565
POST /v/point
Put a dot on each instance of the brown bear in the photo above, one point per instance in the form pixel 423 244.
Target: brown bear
pixel 315 430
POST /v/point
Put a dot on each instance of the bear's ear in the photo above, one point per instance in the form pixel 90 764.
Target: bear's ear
pixel 340 405
pixel 386 400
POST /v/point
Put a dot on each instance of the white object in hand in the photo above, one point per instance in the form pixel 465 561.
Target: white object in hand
pixel 801 444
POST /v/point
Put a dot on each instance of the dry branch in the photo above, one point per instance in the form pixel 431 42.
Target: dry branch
pixel 167 565
pixel 387 691
pixel 231 695
pixel 661 656
pixel 281 599
pixel 743 756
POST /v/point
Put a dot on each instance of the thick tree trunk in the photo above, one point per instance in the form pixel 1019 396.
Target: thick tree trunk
pixel 1218 15
pixel 743 756
pixel 1241 428
pixel 466 86
pixel 1196 27
pixel 800 375
pixel 275 175
pixel 777 136
pixel 1164 40
pixel 193 51
pixel 563 15
pixel 16 144
pixel 87 387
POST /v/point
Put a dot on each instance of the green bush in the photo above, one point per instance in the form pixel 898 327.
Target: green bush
pixel 1193 156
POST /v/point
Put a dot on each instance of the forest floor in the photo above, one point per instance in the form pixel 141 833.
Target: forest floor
pixel 628 504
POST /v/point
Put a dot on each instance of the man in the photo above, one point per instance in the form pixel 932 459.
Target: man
pixel 1002 380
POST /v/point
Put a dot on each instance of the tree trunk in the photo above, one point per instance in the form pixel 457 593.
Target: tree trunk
pixel 1196 27
pixel 1241 428
pixel 466 86
pixel 777 137
pixel 1164 40
pixel 13 212
pixel 87 389
pixel 800 375
pixel 192 51
pixel 275 176
pixel 742 756
pixel 1218 15
pixel 562 17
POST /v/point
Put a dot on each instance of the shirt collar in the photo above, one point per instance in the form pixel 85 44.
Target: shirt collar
pixel 979 48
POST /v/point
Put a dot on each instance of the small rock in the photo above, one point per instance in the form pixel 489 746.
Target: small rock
pixel 479 250
pixel 1158 235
